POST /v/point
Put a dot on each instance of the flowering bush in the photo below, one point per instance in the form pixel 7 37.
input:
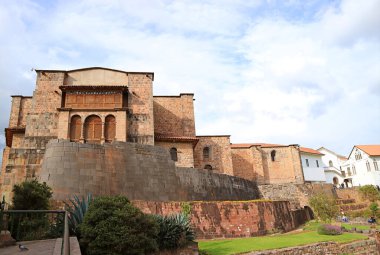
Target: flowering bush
pixel 331 230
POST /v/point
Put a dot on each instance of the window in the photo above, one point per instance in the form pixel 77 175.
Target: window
pixel 375 165
pixel 273 155
pixel 348 171
pixel 75 128
pixel 331 163
pixel 92 129
pixel 368 166
pixel 208 167
pixel 173 154
pixel 317 163
pixel 353 169
pixel 358 155
pixel 206 152
pixel 109 129
pixel 307 162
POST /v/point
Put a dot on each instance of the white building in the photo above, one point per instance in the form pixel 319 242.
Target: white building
pixel 312 165
pixel 335 168
pixel 363 162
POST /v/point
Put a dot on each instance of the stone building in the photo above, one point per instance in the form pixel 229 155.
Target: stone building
pixel 106 106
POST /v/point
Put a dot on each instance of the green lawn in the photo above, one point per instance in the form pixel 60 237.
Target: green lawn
pixel 361 227
pixel 241 245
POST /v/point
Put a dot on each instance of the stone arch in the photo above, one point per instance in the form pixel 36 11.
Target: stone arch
pixel 273 155
pixel 93 129
pixel 110 128
pixel 208 167
pixel 75 128
pixel 206 152
pixel 174 154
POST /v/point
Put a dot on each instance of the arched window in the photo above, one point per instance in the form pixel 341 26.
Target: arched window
pixel 75 128
pixel 331 163
pixel 93 129
pixel 173 154
pixel 110 129
pixel 273 155
pixel 208 167
pixel 375 165
pixel 206 152
pixel 368 166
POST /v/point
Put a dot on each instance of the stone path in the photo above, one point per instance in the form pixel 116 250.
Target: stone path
pixel 41 247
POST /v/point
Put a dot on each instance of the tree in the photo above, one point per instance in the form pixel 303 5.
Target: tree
pixel 112 225
pixel 31 195
pixel 324 207
pixel 374 208
pixel 369 192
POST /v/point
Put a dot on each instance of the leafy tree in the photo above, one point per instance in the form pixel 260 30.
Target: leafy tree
pixel 374 207
pixel 31 195
pixel 369 192
pixel 324 207
pixel 112 225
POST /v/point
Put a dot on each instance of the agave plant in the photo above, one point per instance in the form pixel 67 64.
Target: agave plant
pixel 175 231
pixel 77 208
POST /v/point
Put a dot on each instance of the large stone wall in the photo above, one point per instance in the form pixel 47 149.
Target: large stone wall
pixel 297 194
pixel 366 247
pixel 138 171
pixel 232 219
pixel 185 156
pixel 174 115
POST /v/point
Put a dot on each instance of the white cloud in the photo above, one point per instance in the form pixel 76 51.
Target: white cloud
pixel 256 74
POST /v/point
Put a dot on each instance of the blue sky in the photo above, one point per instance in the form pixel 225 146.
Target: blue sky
pixel 305 72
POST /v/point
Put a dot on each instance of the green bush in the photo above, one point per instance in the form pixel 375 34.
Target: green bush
pixel 369 192
pixel 331 230
pixel 175 231
pixel 112 225
pixel 31 195
pixel 324 207
pixel 374 207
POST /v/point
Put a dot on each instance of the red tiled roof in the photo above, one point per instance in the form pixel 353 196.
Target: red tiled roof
pixel 372 150
pixel 311 151
pixel 167 138
pixel 249 145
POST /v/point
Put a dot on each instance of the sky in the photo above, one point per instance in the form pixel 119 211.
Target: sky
pixel 286 72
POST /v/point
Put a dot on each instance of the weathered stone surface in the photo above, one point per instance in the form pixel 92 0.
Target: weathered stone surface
pixel 138 171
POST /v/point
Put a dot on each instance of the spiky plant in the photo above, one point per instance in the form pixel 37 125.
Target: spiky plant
pixel 175 231
pixel 77 208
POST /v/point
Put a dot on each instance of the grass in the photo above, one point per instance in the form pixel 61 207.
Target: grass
pixel 242 245
pixel 360 227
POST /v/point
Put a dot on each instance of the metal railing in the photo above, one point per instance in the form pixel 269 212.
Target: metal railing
pixel 26 225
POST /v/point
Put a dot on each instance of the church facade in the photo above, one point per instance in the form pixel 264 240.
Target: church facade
pixel 100 106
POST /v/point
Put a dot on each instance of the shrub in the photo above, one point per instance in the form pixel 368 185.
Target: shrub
pixel 31 195
pixel 175 231
pixel 374 207
pixel 331 230
pixel 369 192
pixel 77 209
pixel 112 225
pixel 324 207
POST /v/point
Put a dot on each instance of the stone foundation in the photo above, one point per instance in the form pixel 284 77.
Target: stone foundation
pixel 233 219
pixel 366 247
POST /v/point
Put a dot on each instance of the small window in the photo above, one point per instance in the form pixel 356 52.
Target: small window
pixel 173 154
pixel 353 169
pixel 348 171
pixel 368 166
pixel 307 162
pixel 331 163
pixel 208 167
pixel 317 163
pixel 273 155
pixel 375 165
pixel 206 152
